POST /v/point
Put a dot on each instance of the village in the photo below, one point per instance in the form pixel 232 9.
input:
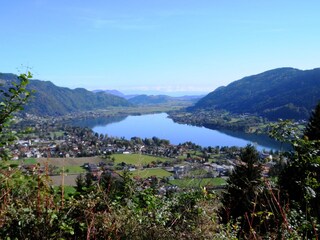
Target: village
pixel 51 139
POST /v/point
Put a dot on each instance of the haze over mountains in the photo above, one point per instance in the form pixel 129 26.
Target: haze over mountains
pixel 278 93
pixel 116 93
pixel 151 98
pixel 162 99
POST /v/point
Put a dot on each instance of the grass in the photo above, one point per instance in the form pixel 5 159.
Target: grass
pixel 195 153
pixel 56 134
pixel 68 190
pixel 71 164
pixel 182 157
pixel 197 172
pixel 196 182
pixel 139 110
pixel 234 120
pixel 59 162
pixel 73 169
pixel 24 161
pixel 30 161
pixel 145 173
pixel 136 159
pixel 69 180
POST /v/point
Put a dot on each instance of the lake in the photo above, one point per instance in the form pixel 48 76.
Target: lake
pixel 159 125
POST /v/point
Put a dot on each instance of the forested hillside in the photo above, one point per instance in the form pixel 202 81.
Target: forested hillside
pixel 279 93
pixel 49 99
pixel 264 198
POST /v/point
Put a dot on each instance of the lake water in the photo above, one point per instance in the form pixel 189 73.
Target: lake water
pixel 159 125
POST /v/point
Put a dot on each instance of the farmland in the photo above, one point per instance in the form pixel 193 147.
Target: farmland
pixel 145 173
pixel 60 162
pixel 73 166
pixel 137 159
pixel 198 182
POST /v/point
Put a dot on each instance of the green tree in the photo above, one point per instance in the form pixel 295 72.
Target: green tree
pixel 89 180
pixel 116 185
pixel 299 179
pixel 243 187
pixel 312 131
pixel 12 100
pixel 80 183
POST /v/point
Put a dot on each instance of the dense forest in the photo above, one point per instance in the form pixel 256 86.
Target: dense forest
pixel 285 93
pixel 51 100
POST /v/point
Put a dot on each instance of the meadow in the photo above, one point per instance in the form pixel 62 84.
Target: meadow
pixel 145 173
pixel 198 182
pixel 137 159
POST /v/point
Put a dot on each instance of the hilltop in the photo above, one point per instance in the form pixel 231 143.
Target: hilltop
pixel 51 100
pixel 153 99
pixel 286 93
pixel 116 93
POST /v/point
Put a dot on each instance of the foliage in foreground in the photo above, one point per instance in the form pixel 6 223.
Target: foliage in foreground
pixel 11 101
pixel 116 207
pixel 288 208
pixel 31 209
pixel 119 209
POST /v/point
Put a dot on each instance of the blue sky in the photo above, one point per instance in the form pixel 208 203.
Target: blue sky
pixel 168 46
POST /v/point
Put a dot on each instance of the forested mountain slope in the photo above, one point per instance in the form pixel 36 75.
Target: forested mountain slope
pixel 52 100
pixel 278 93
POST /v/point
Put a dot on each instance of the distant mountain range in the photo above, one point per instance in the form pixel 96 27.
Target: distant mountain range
pixel 278 93
pixel 52 100
pixel 144 99
pixel 286 93
pixel 116 93
pixel 162 99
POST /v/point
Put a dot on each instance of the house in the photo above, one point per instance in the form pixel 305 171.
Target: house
pixel 179 171
pixel 266 157
pixel 132 168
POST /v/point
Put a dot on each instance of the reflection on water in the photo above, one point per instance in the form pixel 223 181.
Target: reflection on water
pixel 99 121
pixel 262 140
pixel 159 125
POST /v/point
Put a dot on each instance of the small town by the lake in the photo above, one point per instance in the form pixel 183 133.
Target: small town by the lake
pixel 159 120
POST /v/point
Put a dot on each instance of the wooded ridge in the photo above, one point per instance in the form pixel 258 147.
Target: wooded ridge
pixel 51 100
pixel 286 93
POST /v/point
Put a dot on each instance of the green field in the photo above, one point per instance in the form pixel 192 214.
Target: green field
pixel 136 159
pixel 68 190
pixel 145 173
pixel 60 162
pixel 24 161
pixel 196 182
pixel 73 169
pixel 30 161
pixel 56 134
